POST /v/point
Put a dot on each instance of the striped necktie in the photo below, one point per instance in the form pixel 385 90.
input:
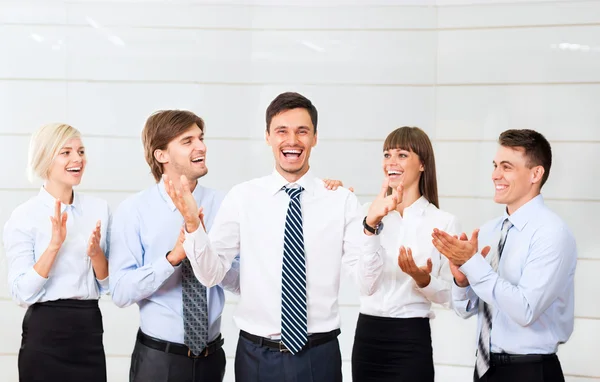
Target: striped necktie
pixel 293 277
pixel 482 364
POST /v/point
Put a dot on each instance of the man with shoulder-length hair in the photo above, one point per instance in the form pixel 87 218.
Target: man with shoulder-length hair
pixel 180 319
pixel 517 272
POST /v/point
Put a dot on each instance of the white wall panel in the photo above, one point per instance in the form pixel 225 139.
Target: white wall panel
pixel 518 55
pixel 234 56
pixel 30 12
pixel 560 112
pixel 33 51
pixel 518 13
pixel 221 16
pixel 27 105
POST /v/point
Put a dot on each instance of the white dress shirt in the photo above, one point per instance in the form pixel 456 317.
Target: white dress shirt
pixel 27 234
pixel 386 291
pixel 251 222
pixel 532 294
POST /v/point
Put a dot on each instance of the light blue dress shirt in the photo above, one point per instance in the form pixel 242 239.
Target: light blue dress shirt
pixel 27 234
pixel 532 294
pixel 145 227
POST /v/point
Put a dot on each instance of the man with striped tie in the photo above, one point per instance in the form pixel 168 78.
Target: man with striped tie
pixel 521 282
pixel 293 236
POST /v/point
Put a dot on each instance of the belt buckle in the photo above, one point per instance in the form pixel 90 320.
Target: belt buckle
pixel 283 348
pixel 201 355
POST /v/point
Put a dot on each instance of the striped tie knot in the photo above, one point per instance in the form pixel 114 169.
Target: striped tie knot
pixel 294 193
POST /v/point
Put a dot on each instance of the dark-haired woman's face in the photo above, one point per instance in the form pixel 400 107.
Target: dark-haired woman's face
pixel 402 166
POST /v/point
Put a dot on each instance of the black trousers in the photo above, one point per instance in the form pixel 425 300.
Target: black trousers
pixel 62 341
pixel 255 363
pixel 151 365
pixel 547 370
pixel 392 349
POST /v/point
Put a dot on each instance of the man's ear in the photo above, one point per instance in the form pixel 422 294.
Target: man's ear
pixel 537 174
pixel 161 156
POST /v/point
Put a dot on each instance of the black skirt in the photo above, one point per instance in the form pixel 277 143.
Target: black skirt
pixel 62 341
pixel 392 349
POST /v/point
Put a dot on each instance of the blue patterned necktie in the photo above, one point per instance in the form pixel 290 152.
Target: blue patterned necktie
pixel 482 364
pixel 195 310
pixel 293 277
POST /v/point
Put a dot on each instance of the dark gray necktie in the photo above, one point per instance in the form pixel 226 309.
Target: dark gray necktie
pixel 195 310
pixel 482 364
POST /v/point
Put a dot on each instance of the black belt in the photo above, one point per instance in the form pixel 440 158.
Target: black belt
pixel 179 349
pixel 314 340
pixel 501 359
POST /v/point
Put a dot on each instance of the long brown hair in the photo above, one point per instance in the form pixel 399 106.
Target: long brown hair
pixel 416 140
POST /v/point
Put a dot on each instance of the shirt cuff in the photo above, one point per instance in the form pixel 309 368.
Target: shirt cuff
pixel 371 243
pixel 459 293
pixel 476 268
pixel 162 268
pixel 198 238
pixel 432 288
pixel 103 284
pixel 31 283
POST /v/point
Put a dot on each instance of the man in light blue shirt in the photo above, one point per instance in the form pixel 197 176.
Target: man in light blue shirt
pixel 180 320
pixel 521 283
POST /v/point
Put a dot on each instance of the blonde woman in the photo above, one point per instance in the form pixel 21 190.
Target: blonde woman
pixel 55 244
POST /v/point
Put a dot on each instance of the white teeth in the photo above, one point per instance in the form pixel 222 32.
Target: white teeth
pixel 199 159
pixel 292 151
pixel 74 169
pixel 395 173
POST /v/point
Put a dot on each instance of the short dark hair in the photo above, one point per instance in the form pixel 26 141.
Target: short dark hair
pixel 161 128
pixel 288 101
pixel 537 148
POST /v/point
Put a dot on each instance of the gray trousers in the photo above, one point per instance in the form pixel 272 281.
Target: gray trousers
pixel 151 365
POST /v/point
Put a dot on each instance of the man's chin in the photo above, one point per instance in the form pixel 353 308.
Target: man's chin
pixel 197 175
pixel 292 169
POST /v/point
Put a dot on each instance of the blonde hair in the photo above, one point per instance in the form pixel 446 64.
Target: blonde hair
pixel 44 146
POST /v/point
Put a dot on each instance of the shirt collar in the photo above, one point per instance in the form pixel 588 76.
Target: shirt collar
pixel 523 214
pixel 49 201
pixel 418 207
pixel 277 181
pixel 167 199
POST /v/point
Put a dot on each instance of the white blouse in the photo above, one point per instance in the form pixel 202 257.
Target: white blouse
pixel 27 234
pixel 392 293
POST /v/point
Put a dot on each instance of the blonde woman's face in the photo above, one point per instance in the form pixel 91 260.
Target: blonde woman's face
pixel 68 165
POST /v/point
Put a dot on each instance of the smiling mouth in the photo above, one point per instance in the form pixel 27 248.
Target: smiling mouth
pixel 75 170
pixel 198 160
pixel 292 153
pixel 394 173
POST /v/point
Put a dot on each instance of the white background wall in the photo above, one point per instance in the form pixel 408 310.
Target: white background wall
pixel 464 70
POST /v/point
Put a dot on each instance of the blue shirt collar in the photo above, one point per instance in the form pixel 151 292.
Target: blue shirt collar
pixel 49 201
pixel 198 191
pixel 523 214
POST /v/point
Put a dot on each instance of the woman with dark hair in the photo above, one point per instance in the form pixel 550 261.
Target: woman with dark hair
pixel 398 284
